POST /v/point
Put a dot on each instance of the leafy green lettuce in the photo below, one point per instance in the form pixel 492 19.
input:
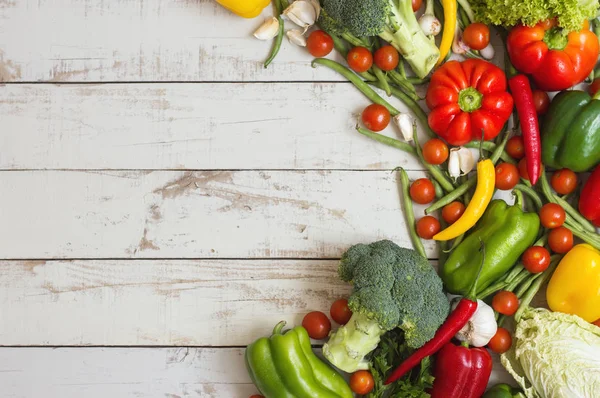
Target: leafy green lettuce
pixel 508 13
pixel 555 355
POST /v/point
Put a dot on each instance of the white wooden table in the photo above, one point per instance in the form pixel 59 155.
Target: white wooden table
pixel 165 200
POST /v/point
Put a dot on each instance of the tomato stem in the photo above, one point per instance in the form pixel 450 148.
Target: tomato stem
pixel 469 99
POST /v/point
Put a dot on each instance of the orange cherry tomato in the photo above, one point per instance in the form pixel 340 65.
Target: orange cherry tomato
pixel 452 212
pixel 505 302
pixel 477 36
pixel 560 240
pixel 564 181
pixel 361 382
pixel 515 147
pixel 319 43
pixel 422 191
pixel 507 176
pixel 376 117
pixel 501 341
pixel 523 169
pixel 435 151
pixel 428 227
pixel 359 59
pixel 386 58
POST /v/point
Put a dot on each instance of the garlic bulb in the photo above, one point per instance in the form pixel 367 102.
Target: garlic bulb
pixel 302 12
pixel 480 329
pixel 296 36
pixel 461 162
pixel 268 29
pixel 488 52
pixel 430 25
pixel 405 122
pixel 458 45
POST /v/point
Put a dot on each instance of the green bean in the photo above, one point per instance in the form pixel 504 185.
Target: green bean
pixel 535 287
pixel 409 214
pixel 457 241
pixel 355 41
pixel 466 7
pixel 277 43
pixel 358 83
pixel 416 80
pixel 412 105
pixel 284 4
pixel 517 281
pixel 403 146
pixel 463 19
pixel 401 68
pixel 579 219
pixel 338 44
pixel 452 196
pixel 583 235
pixel 515 272
pixel 526 284
pixel 403 84
pixel 518 198
pixel 491 147
pixel 530 193
pixel 382 79
pixel 441 244
pixel 435 171
pixel 439 192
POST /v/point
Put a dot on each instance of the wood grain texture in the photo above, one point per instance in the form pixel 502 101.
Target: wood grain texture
pixel 190 126
pixel 142 372
pixel 207 214
pixel 159 302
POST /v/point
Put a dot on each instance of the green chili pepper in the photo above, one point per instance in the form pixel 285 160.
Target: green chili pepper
pixel 284 366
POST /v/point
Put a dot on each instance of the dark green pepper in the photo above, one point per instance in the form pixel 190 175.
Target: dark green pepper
pixel 284 366
pixel 571 132
pixel 502 391
pixel 506 232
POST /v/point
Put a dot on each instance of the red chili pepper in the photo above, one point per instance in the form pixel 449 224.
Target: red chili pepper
pixel 456 320
pixel 530 129
pixel 589 202
pixel 461 372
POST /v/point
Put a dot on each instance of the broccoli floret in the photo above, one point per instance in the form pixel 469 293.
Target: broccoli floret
pixel 393 287
pixel 392 20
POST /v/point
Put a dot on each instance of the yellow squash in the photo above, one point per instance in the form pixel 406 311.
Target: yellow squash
pixel 245 8
pixel 575 285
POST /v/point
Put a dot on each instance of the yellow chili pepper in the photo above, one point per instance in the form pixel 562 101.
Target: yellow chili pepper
pixel 450 10
pixel 486 180
pixel 575 285
pixel 245 8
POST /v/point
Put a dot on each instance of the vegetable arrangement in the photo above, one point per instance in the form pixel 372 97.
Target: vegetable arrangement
pixel 399 336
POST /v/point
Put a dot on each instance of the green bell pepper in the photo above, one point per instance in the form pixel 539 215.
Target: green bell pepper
pixel 571 132
pixel 506 232
pixel 284 366
pixel 503 391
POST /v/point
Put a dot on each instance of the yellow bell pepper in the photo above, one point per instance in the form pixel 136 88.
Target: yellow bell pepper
pixel 245 8
pixel 575 286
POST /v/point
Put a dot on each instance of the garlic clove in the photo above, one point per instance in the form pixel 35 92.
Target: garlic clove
pixel 466 160
pixel 488 52
pixel 405 122
pixel 458 45
pixel 296 36
pixel 302 13
pixel 430 25
pixel 317 6
pixel 268 29
pixel 454 163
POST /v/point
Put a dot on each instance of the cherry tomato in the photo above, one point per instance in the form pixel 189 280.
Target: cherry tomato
pixel 507 176
pixel 386 58
pixel 435 151
pixel 505 302
pixel 523 169
pixel 594 87
pixel 541 101
pixel 564 181
pixel 416 5
pixel 515 147
pixel 317 325
pixel 428 226
pixel 501 341
pixel 340 312
pixel 422 191
pixel 359 59
pixel 552 215
pixel 361 382
pixel 376 117
pixel 319 43
pixel 597 323
pixel 560 240
pixel 477 36
pixel 536 259
pixel 452 212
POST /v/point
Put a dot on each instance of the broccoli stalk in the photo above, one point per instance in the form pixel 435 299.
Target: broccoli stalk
pixel 393 287
pixel 392 20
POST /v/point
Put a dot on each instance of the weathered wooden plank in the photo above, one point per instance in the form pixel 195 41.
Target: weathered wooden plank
pixel 158 302
pixel 120 372
pixel 207 214
pixel 189 126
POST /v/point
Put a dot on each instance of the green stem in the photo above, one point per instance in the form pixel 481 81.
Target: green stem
pixel 518 198
pixel 435 171
pixel 472 294
pixel 382 79
pixel 279 327
pixel 358 83
pixel 531 193
pixel 277 43
pixel 491 147
pixel 467 9
pixel 355 41
pixel 403 146
pixel 409 213
pixel 456 242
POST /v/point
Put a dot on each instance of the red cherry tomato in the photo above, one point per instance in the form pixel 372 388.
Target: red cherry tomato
pixel 319 43
pixel 477 36
pixel 505 302
pixel 435 151
pixel 386 58
pixel 536 259
pixel 416 5
pixel 422 191
pixel 515 147
pixel 560 240
pixel 340 312
pixel 594 87
pixel 428 227
pixel 501 341
pixel 317 325
pixel 541 101
pixel 376 117
pixel 564 181
pixel 507 176
pixel 361 382
pixel 359 59
pixel 552 215
pixel 523 169
pixel 452 212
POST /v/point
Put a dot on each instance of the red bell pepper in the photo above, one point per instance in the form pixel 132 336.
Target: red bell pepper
pixel 467 98
pixel 589 201
pixel 461 372
pixel 554 61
